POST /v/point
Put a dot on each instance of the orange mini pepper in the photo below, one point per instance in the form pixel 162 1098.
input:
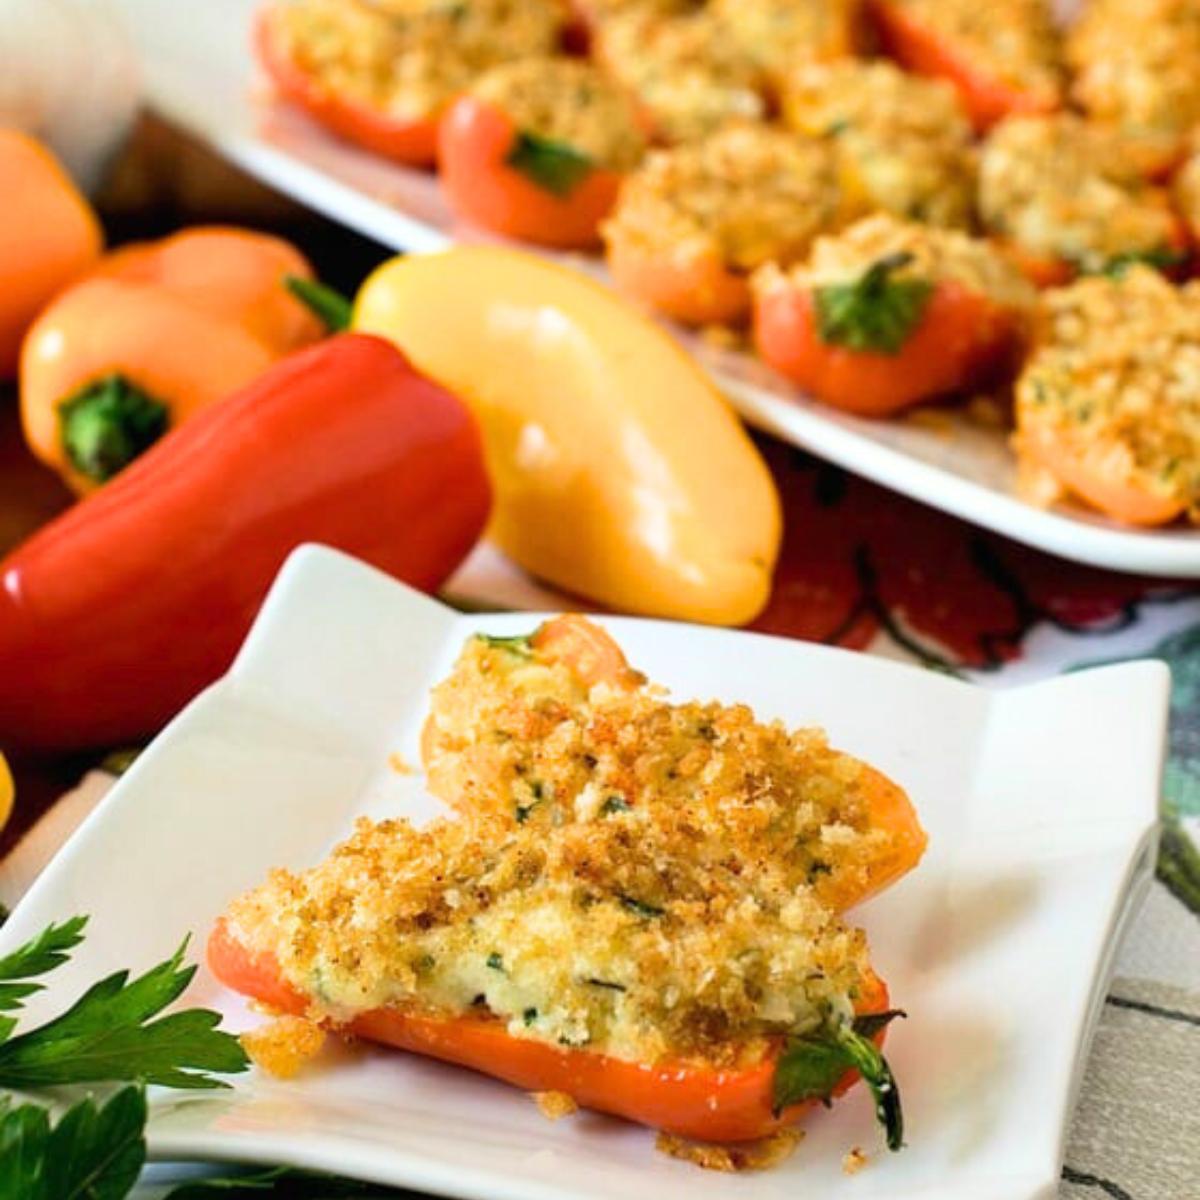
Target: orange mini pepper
pixel 49 236
pixel 692 1099
pixel 157 332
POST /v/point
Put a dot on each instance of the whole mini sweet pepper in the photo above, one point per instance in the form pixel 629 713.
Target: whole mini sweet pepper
pixel 620 471
pixel 49 236
pixel 153 335
pixel 120 610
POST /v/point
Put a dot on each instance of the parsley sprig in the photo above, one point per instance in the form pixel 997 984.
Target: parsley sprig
pixel 877 312
pixel 50 949
pixel 109 1033
pixel 92 1153
pixel 813 1063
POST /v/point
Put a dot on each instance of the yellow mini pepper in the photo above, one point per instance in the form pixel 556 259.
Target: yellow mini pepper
pixel 155 333
pixel 620 472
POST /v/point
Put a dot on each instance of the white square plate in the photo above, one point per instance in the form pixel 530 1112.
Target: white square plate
pixel 200 75
pixel 1040 804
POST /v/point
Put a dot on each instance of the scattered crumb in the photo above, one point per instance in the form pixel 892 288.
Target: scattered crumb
pixel 854 1161
pixel 284 1046
pixel 722 337
pixel 1037 486
pixel 992 412
pixel 739 1156
pixel 936 420
pixel 401 765
pixel 555 1105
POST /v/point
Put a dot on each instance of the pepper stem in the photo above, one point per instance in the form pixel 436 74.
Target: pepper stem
pixel 107 424
pixel 326 303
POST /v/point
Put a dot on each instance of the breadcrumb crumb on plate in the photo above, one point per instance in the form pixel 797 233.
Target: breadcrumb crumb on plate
pixel 740 1156
pixel 854 1160
pixel 555 1105
pixel 283 1047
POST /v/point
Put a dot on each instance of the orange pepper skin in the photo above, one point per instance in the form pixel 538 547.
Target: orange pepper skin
pixel 229 272
pixel 120 610
pixel 187 320
pixel 700 290
pixel 961 337
pixel 49 236
pixel 690 1099
pixel 474 145
pixel 986 98
pixel 410 142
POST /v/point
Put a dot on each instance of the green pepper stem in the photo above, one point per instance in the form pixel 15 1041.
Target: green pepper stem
pixel 326 303
pixel 107 424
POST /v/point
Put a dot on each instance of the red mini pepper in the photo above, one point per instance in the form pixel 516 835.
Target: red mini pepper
pixel 118 612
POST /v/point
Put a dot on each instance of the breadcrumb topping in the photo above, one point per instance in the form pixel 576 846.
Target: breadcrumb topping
pixel 1117 369
pixel 569 101
pixel 411 57
pixel 750 193
pixel 935 255
pixel 1064 188
pixel 778 34
pixel 1135 65
pixel 525 743
pixel 555 1105
pixel 1015 40
pixel 685 70
pixel 903 142
pixel 284 1046
pixel 759 1155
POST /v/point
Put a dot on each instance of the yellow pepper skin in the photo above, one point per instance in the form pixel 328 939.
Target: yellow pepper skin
pixel 620 472
pixel 6 792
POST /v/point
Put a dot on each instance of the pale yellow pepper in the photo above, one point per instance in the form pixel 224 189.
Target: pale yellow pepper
pixel 620 472
pixel 7 791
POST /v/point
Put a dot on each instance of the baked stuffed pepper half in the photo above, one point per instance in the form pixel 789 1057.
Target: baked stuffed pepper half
pixel 380 74
pixel 537 149
pixel 888 314
pixel 1003 58
pixel 903 143
pixel 1108 405
pixel 1064 197
pixel 693 222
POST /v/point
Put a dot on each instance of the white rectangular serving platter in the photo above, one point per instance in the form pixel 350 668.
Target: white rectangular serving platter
pixel 1040 803
pixel 199 74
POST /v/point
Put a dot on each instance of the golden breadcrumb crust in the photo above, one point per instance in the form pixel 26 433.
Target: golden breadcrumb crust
pixel 749 194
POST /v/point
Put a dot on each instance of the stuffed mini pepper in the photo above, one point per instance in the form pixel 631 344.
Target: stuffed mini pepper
pixel 903 143
pixel 889 313
pixel 537 150
pixel 692 223
pixel 380 75
pixel 1065 196
pixel 1108 405
pixel 779 34
pixel 1002 57
pixel 651 955
pixel 1134 67
pixel 688 76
